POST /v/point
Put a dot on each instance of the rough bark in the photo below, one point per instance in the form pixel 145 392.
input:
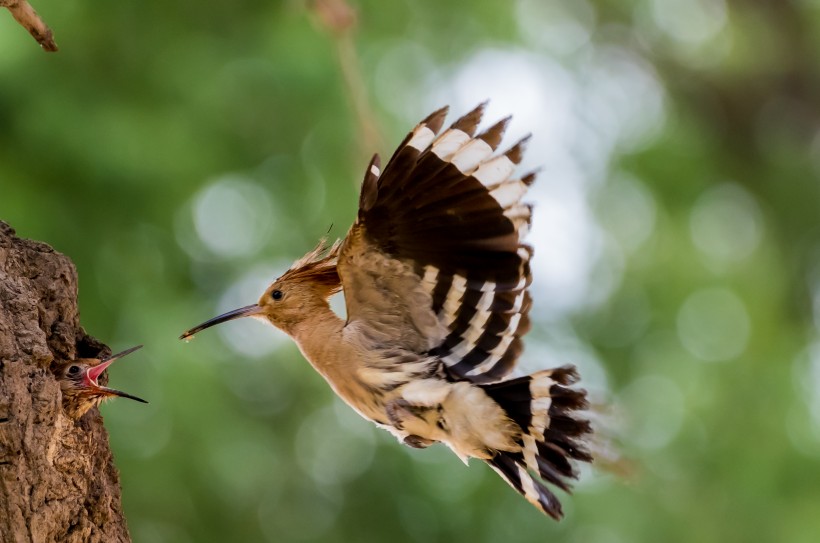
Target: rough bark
pixel 57 477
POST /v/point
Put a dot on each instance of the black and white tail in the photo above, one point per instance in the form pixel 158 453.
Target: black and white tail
pixel 545 407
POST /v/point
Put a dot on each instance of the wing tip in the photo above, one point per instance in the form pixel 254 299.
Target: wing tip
pixel 435 120
pixel 516 152
pixel 493 135
pixel 468 122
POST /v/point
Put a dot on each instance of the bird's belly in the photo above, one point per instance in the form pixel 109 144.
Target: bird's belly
pixel 369 404
pixel 372 408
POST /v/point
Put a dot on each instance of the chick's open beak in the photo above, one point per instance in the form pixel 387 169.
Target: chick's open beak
pixel 247 311
pixel 93 373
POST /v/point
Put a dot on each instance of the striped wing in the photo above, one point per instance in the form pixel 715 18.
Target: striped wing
pixel 449 209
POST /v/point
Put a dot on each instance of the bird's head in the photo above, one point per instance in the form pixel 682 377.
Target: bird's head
pixel 306 286
pixel 79 382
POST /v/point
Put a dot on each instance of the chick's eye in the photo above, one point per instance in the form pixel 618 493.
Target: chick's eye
pixel 74 370
pixel 276 294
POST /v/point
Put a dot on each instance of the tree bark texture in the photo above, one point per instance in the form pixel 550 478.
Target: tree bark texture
pixel 57 477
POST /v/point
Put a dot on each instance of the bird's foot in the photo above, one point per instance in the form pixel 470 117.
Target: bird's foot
pixel 417 442
pixel 398 411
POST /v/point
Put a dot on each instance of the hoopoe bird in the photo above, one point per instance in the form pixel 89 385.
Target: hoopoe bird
pixel 79 383
pixel 435 279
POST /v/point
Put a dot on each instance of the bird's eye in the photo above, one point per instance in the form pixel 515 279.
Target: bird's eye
pixel 74 370
pixel 276 294
pixel 441 425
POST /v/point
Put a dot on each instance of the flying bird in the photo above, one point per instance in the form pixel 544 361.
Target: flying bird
pixel 79 382
pixel 435 278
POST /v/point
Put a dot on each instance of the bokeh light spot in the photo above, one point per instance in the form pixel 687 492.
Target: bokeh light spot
pixel 627 211
pixel 568 243
pixel 622 104
pixel 713 324
pixel 689 21
pixel 232 216
pixel 725 223
pixel 350 454
pixel 655 410
pixel 559 26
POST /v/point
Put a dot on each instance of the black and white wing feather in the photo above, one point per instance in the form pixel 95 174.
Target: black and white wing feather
pixel 447 214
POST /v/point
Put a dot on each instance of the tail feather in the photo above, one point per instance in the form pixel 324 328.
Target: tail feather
pixel 546 410
pixel 512 468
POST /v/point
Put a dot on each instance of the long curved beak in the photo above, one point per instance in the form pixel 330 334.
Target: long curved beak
pixel 120 393
pixel 117 356
pixel 247 311
pixel 93 373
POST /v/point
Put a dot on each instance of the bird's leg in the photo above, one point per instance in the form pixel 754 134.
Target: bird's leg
pixel 417 442
pixel 400 411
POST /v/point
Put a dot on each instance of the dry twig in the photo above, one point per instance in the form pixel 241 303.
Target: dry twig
pixel 22 11
pixel 339 18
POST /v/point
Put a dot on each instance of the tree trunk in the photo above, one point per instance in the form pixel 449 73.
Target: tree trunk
pixel 57 477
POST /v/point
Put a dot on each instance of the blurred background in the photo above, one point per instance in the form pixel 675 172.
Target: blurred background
pixel 183 155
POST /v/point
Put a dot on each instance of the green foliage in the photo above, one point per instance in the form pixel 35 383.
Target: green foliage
pixel 182 155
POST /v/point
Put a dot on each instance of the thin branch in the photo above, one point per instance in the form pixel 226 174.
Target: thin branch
pixel 371 136
pixel 339 18
pixel 22 11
